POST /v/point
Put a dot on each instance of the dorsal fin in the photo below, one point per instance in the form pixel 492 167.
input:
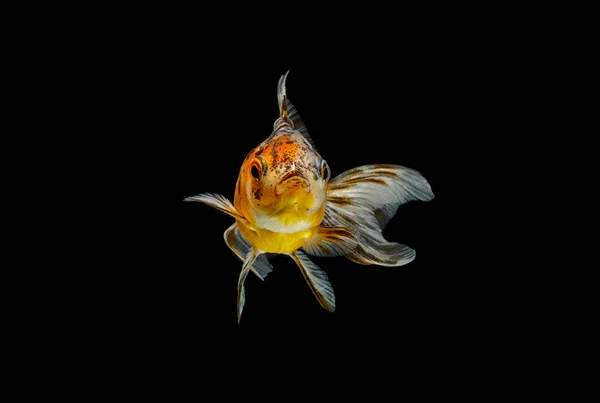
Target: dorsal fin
pixel 288 112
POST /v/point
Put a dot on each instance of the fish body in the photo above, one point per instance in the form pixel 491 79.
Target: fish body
pixel 286 203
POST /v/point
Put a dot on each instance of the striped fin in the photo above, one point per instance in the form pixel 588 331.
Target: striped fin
pixel 317 280
pixel 330 242
pixel 364 199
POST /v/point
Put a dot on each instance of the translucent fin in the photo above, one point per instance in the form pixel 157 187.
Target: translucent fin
pixel 240 247
pixel 330 242
pixel 250 257
pixel 364 199
pixel 288 112
pixel 219 202
pixel 317 280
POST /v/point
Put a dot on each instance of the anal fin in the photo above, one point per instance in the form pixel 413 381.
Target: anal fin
pixel 241 292
pixel 240 247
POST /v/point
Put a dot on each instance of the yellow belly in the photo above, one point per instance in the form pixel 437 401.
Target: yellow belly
pixel 275 242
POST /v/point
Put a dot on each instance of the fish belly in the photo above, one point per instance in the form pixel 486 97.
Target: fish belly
pixel 275 242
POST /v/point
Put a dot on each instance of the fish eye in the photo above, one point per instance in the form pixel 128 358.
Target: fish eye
pixel 256 169
pixel 325 172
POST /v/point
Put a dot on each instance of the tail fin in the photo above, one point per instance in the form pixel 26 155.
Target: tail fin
pixel 364 199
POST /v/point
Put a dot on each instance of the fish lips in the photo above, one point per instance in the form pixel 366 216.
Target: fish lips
pixel 292 179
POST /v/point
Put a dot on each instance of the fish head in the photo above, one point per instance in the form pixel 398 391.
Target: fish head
pixel 282 184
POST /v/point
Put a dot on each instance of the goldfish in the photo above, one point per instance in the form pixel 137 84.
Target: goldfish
pixel 286 202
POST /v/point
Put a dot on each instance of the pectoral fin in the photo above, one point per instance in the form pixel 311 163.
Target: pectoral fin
pixel 219 202
pixel 330 241
pixel 317 280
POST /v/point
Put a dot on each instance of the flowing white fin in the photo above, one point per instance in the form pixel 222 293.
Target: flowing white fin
pixel 288 112
pixel 240 247
pixel 317 280
pixel 364 199
pixel 250 257
pixel 219 202
pixel 330 242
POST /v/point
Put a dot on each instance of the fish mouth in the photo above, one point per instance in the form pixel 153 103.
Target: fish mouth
pixel 290 180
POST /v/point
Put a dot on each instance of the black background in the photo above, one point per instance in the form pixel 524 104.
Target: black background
pixel 193 120
pixel 135 109
pixel 170 110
